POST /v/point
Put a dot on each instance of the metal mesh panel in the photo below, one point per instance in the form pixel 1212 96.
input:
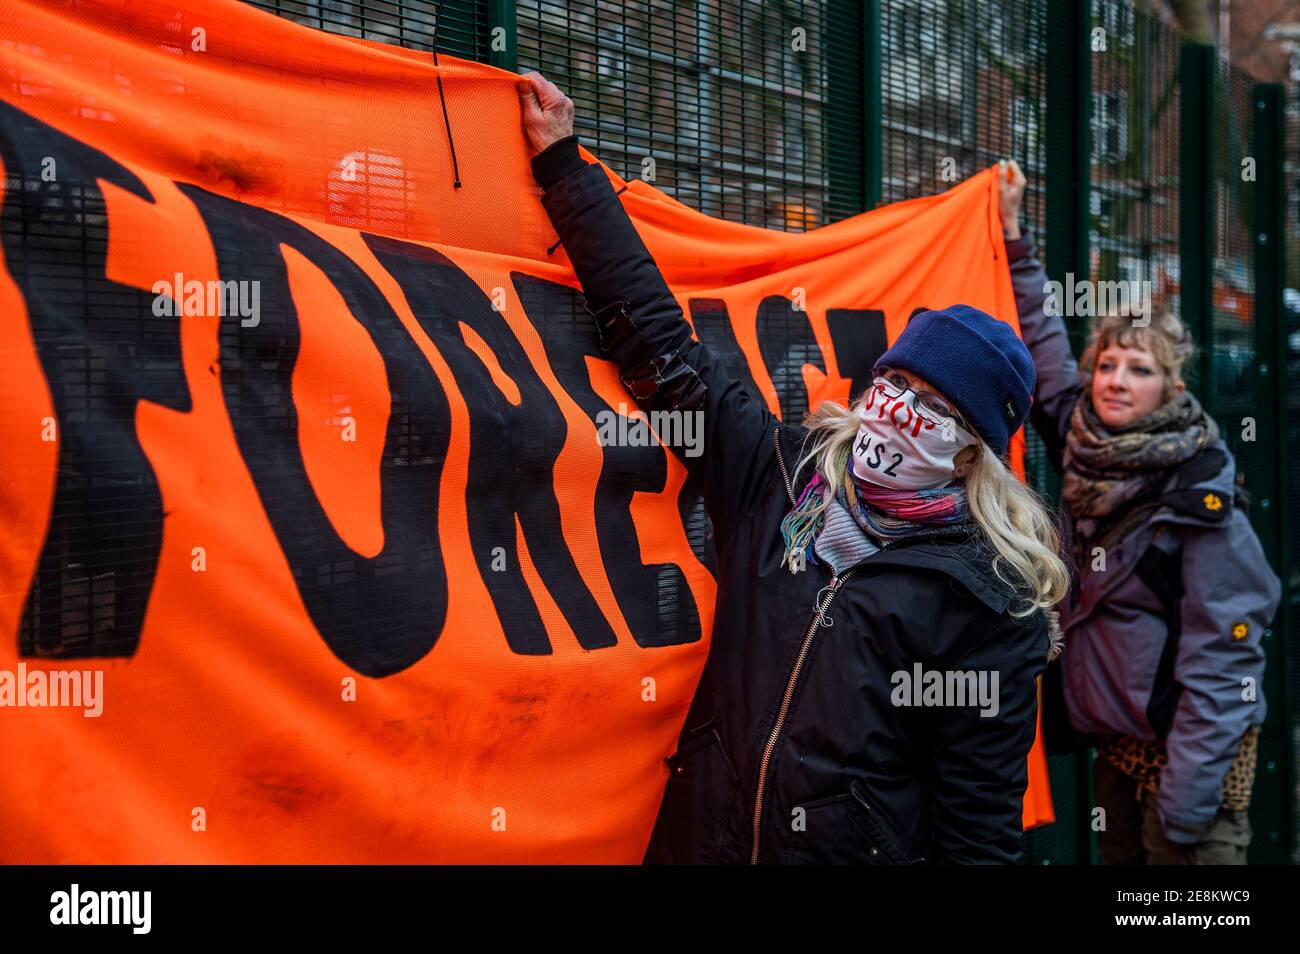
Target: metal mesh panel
pixel 78 615
pixel 1240 391
pixel 962 85
pixel 1236 391
pixel 723 104
pixel 1135 125
pixel 409 23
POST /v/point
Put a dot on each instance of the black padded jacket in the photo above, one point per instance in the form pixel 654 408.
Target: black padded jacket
pixel 794 749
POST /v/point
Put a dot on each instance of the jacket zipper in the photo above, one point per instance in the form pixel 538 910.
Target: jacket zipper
pixel 789 687
pixel 780 462
pixel 819 615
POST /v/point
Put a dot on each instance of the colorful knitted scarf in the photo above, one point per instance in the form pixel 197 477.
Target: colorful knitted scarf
pixel 1107 473
pixel 883 513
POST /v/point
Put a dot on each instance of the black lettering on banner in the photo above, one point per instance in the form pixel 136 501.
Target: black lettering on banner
pixel 786 342
pixel 512 450
pixel 378 615
pixel 859 339
pixel 102 351
pixel 655 599
pixel 713 328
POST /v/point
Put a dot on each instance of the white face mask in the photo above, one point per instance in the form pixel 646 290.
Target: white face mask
pixel 901 448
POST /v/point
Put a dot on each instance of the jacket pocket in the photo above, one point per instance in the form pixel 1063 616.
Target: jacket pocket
pixel 697 800
pixel 848 829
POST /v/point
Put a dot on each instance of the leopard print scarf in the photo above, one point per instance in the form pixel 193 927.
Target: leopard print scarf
pixel 1105 470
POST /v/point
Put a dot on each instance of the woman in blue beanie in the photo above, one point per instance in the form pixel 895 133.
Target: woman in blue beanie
pixel 1163 626
pixel 870 692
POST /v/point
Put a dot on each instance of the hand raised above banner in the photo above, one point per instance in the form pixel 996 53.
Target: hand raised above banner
pixel 547 112
pixel 1011 189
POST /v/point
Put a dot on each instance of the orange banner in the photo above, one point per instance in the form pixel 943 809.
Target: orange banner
pixel 309 547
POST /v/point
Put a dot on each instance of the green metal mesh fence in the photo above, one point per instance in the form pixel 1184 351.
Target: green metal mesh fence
pixel 723 104
pixel 408 23
pixel 1135 129
pixel 1239 391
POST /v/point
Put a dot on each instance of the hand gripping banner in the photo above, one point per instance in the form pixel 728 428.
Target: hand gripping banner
pixel 310 549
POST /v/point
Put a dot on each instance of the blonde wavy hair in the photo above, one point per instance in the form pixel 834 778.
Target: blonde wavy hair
pixel 1013 517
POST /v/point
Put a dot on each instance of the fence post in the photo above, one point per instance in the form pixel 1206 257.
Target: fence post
pixel 1066 244
pixel 1273 801
pixel 873 54
pixel 503 35
pixel 851 39
pixel 1069 144
pixel 1196 150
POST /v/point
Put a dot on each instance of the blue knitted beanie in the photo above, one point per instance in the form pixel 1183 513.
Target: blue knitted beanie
pixel 976 361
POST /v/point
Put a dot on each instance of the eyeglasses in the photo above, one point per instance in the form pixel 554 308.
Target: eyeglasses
pixel 927 401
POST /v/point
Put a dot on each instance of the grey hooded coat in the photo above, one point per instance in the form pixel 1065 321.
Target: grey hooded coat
pixel 1163 631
